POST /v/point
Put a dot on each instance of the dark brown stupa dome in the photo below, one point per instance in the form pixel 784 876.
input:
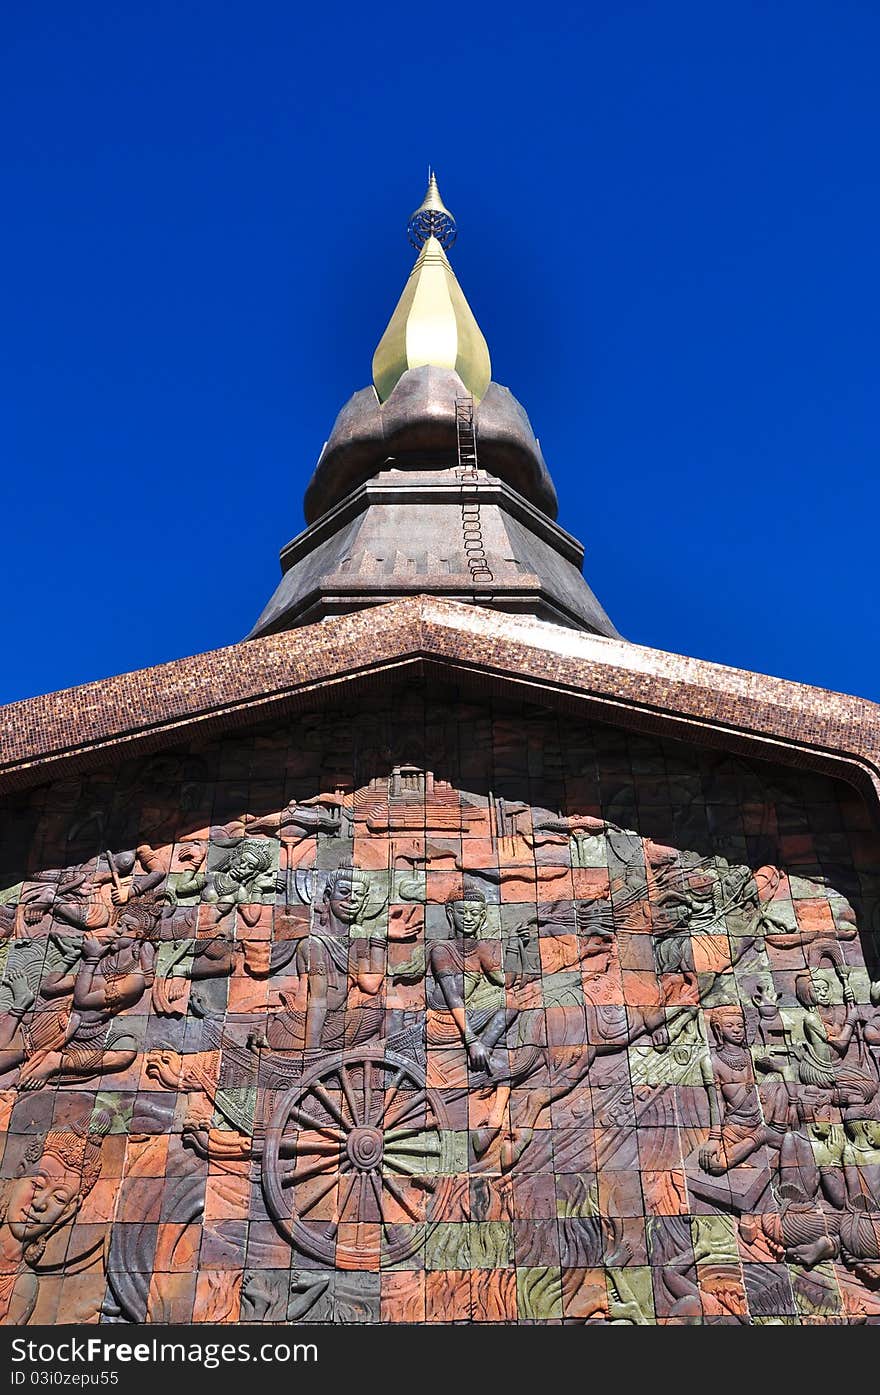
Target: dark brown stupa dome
pixel 432 481
pixel 415 430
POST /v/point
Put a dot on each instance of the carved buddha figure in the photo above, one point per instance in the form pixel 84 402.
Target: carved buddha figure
pixel 345 907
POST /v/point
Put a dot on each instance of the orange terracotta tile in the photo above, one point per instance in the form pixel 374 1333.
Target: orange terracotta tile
pixel 403 1296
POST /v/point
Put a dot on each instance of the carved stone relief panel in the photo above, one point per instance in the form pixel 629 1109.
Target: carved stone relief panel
pixel 440 1011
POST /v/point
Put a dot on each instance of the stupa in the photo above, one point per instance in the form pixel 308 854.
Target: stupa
pixel 435 953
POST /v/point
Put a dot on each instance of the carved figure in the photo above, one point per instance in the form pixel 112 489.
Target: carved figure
pixel 244 876
pixel 113 973
pixel 737 1125
pixel 821 1060
pixel 57 1174
pixel 578 1029
pixel 463 969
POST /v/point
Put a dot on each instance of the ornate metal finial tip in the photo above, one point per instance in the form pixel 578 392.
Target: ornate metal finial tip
pixel 432 219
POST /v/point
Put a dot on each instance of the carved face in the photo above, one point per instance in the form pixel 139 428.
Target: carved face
pixel 246 865
pixel 765 993
pixel 821 988
pixel 41 1200
pixel 731 1028
pixel 466 917
pixel 347 897
pixel 120 935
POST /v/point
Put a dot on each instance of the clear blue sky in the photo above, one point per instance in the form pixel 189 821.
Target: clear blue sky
pixel 668 219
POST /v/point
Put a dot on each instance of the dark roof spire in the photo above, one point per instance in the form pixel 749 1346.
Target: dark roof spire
pixel 432 480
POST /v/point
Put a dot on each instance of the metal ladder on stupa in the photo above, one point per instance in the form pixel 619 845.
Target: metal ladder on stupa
pixel 468 473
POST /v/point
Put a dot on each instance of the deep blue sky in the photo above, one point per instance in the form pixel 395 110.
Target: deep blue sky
pixel 668 220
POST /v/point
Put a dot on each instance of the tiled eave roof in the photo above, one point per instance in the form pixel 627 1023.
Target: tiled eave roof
pixel 606 679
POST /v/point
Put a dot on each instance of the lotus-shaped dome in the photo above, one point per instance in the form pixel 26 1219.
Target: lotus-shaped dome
pixel 415 428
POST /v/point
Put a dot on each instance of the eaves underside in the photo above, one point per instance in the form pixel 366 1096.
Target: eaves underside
pixel 422 637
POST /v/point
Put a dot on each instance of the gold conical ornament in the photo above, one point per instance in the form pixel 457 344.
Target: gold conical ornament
pixel 432 219
pixel 432 322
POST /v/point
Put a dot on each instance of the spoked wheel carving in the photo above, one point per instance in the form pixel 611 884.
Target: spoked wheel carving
pixel 358 1160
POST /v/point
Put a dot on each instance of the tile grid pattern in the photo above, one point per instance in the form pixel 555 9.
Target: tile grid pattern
pixel 434 1012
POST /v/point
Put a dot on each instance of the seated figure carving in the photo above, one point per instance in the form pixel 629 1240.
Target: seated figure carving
pixel 468 979
pixel 738 1128
pixel 109 972
pixel 828 1035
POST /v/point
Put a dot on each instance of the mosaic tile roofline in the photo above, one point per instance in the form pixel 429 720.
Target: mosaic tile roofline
pixel 615 681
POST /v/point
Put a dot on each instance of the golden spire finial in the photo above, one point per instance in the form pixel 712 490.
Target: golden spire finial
pixel 432 323
pixel 432 218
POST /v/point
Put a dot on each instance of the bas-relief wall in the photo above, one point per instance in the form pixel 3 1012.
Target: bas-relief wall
pixel 445 1012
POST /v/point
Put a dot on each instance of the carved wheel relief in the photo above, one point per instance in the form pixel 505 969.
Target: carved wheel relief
pixel 445 1012
pixel 364 1141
